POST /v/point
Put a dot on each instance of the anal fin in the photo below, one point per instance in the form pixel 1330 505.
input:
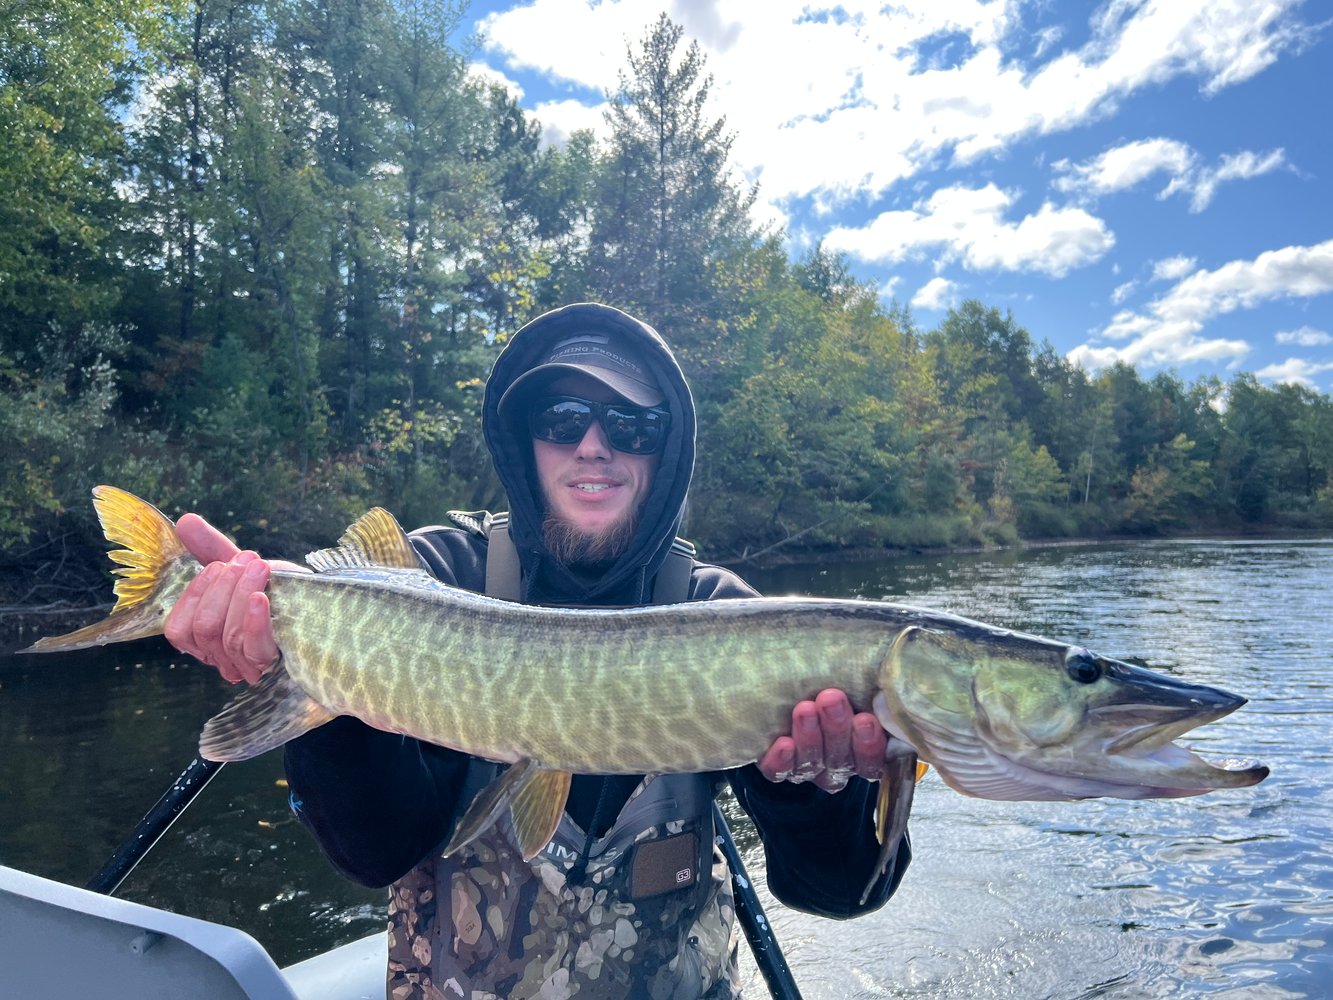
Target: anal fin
pixel 535 795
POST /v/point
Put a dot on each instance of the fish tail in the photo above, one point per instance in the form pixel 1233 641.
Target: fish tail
pixel 153 569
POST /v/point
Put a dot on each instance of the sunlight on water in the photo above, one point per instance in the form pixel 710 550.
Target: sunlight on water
pixel 1228 895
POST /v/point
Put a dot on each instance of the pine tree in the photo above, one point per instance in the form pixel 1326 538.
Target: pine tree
pixel 671 228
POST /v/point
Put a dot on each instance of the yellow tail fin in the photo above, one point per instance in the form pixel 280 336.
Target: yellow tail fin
pixel 154 568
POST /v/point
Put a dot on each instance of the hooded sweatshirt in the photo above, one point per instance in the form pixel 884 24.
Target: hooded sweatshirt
pixel 380 803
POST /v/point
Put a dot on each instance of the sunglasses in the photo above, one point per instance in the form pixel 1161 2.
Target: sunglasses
pixel 635 430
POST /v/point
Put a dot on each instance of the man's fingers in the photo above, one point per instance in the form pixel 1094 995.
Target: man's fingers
pixel 260 649
pixel 809 739
pixel 222 617
pixel 835 723
pixel 251 576
pixel 210 615
pixel 829 743
pixel 780 760
pixel 179 627
pixel 204 541
pixel 869 744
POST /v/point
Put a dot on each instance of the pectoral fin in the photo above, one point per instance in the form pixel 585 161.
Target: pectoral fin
pixel 536 797
pixel 896 788
pixel 262 718
pixel 883 811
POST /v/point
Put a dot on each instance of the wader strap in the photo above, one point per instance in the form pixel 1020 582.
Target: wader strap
pixel 504 580
pixel 672 584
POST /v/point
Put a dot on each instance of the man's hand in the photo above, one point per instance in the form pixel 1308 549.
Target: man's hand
pixel 828 744
pixel 222 618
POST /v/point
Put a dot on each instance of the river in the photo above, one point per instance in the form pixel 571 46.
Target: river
pixel 1227 895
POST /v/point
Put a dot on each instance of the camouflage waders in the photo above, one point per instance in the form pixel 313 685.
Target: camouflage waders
pixel 648 913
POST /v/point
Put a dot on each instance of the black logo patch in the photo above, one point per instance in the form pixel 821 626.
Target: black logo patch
pixel 665 865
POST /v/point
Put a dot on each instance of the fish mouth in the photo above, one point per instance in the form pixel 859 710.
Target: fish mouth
pixel 1158 710
pixel 1144 737
pixel 1152 710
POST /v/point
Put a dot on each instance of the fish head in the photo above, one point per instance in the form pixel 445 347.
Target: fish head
pixel 1009 716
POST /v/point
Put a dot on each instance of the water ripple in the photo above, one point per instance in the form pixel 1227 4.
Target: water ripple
pixel 1224 896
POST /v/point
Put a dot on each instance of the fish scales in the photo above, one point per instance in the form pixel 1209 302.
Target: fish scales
pixel 598 692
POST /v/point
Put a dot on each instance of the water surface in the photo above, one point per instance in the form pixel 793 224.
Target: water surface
pixel 1227 895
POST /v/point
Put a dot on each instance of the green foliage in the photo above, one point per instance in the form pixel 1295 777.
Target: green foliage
pixel 1029 488
pixel 257 258
pixel 58 417
pixel 65 71
pixel 43 430
pixel 1170 488
pixel 670 232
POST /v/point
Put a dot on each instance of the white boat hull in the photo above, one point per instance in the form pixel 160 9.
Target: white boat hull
pixel 59 940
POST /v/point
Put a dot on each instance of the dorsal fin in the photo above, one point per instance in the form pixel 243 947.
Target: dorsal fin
pixel 376 539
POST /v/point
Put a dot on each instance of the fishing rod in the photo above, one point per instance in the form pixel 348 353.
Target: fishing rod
pixel 154 824
pixel 750 912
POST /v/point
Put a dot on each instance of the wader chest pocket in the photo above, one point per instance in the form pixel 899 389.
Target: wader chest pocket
pixel 665 865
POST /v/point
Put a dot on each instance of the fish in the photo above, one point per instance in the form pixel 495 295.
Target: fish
pixel 696 687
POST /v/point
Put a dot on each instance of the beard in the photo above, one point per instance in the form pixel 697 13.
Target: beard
pixel 574 547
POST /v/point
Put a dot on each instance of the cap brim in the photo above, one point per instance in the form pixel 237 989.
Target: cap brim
pixel 628 388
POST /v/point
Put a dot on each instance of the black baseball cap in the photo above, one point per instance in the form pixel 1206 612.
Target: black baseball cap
pixel 610 360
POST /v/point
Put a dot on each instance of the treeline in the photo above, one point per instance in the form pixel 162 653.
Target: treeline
pixel 257 257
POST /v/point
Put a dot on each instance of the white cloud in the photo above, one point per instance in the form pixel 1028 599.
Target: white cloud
pixel 561 119
pixel 969 224
pixel 569 40
pixel 877 112
pixel 1122 292
pixel 1169 331
pixel 1123 167
pixel 1240 166
pixel 1172 268
pixel 1306 336
pixel 706 23
pixel 935 294
pixel 1295 371
pixel 492 76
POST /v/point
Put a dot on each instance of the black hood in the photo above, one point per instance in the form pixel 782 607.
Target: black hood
pixel 627 580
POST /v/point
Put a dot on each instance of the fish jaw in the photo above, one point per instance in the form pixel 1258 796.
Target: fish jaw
pixel 1141 717
pixel 1009 716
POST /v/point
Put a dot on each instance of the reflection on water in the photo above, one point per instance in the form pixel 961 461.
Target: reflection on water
pixel 1228 895
pixel 89 741
pixel 1225 895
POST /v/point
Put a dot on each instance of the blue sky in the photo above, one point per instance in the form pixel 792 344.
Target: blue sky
pixel 1146 180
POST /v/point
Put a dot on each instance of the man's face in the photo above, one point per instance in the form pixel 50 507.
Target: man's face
pixel 589 487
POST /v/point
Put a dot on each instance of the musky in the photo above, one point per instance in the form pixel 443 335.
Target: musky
pixel 1146 180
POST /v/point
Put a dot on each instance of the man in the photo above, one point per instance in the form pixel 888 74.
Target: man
pixel 591 428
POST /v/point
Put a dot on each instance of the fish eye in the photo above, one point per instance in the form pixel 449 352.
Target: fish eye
pixel 1082 666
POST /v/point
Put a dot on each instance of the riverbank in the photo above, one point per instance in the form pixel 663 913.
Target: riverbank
pixel 21 625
